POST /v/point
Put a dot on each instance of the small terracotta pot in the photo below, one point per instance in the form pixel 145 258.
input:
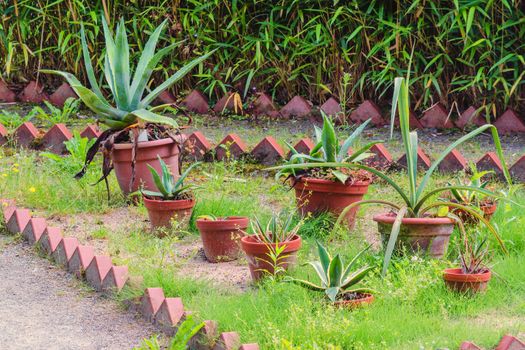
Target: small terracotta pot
pixel 161 212
pixel 429 235
pixel 257 255
pixel 488 209
pixel 318 195
pixel 456 280
pixel 147 153
pixel 221 238
pixel 366 299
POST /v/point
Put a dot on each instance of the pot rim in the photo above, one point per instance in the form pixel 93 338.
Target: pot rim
pixel 168 204
pixel 147 144
pixel 249 244
pixel 223 219
pixel 315 180
pixel 389 218
pixel 224 223
pixel 367 298
pixel 455 275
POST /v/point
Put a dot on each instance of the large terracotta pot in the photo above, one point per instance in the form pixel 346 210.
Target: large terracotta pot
pixel 456 280
pixel 161 212
pixel 363 300
pixel 257 254
pixel 317 196
pixel 147 153
pixel 429 235
pixel 221 238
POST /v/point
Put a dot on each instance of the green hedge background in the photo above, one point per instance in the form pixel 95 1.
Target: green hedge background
pixel 465 51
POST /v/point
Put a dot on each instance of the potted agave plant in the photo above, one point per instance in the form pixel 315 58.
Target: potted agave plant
pixel 172 200
pixel 137 134
pixel 272 248
pixel 221 236
pixel 473 274
pixel 325 187
pixel 420 222
pixel 338 280
pixel 480 202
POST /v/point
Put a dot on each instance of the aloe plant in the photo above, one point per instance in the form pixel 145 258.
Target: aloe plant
pixel 417 201
pixel 129 106
pixel 169 188
pixel 336 279
pixel 327 150
pixel 280 228
pixel 468 197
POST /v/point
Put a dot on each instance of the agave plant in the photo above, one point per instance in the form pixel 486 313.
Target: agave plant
pixel 469 197
pixel 327 150
pixel 129 108
pixel 336 278
pixel 473 256
pixel 130 104
pixel 417 201
pixel 280 228
pixel 168 188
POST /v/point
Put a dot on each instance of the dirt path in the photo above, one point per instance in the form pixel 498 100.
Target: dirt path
pixel 42 307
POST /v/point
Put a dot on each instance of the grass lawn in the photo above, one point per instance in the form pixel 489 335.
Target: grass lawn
pixel 413 309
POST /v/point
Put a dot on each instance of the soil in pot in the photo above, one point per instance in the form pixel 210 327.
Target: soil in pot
pixel 147 153
pixel 354 300
pixel 163 212
pixel 221 238
pixel 260 263
pixel 458 281
pixel 320 195
pixel 429 235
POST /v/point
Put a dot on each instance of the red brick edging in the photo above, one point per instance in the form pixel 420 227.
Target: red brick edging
pixel 99 272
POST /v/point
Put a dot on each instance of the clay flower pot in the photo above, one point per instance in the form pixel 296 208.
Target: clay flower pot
pixel 488 208
pixel 161 212
pixel 221 238
pixel 361 300
pixel 319 195
pixel 147 153
pixel 458 281
pixel 258 259
pixel 429 235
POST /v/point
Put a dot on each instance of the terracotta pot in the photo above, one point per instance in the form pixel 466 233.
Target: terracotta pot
pixel 257 254
pixel 366 299
pixel 456 280
pixel 318 196
pixel 429 235
pixel 147 153
pixel 221 237
pixel 488 209
pixel 161 212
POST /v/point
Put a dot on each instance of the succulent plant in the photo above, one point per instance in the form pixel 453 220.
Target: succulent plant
pixel 336 278
pixel 169 188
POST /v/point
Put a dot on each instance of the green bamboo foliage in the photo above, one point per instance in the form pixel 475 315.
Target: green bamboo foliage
pixel 469 51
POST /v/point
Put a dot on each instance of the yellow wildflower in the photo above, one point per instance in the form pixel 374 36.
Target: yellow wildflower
pixel 32 189
pixel 4 175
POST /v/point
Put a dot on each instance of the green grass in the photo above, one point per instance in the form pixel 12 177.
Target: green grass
pixel 413 309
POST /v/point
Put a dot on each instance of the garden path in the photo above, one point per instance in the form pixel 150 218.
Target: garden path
pixel 43 307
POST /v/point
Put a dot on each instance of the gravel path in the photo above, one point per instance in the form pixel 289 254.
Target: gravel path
pixel 42 307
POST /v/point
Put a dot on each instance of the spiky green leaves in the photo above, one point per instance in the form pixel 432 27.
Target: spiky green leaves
pixel 166 185
pixel 280 228
pixel 327 150
pixel 336 279
pixel 130 104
